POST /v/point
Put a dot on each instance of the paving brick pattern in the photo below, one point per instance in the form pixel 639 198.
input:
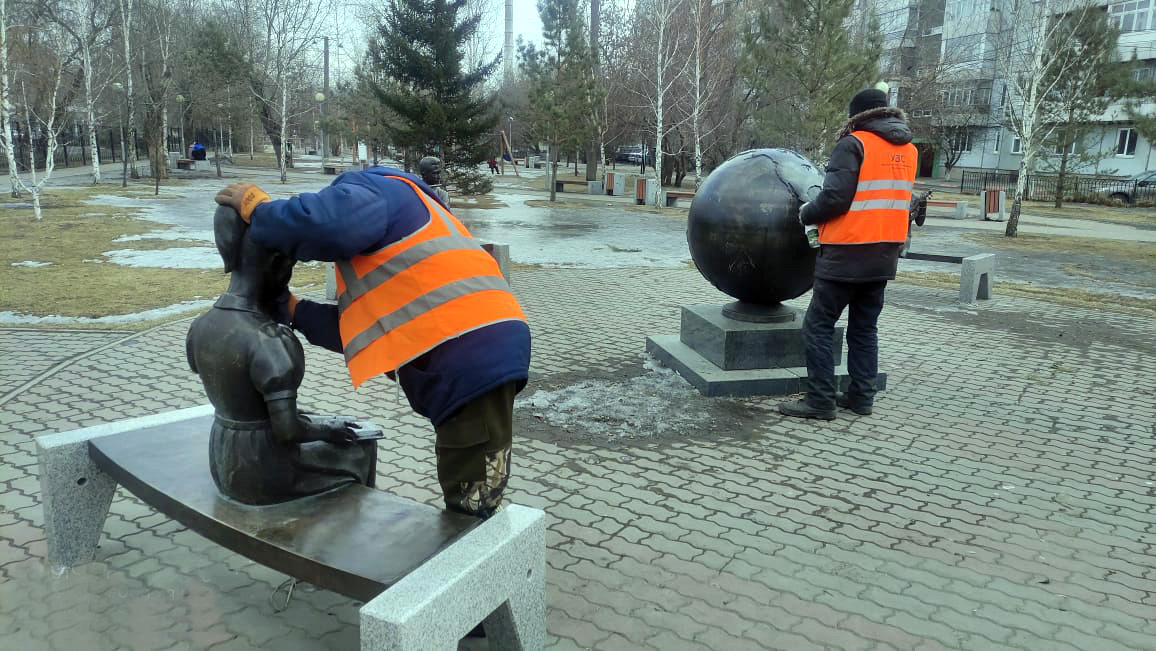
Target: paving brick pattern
pixel 1000 497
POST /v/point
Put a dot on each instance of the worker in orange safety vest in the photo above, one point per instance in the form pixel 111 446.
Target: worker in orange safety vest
pixel 862 217
pixel 419 300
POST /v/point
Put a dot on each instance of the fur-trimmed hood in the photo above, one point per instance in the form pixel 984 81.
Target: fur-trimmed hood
pixel 887 122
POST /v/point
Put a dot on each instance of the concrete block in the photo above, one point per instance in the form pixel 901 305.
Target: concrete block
pixel 594 187
pixel 501 253
pixel 975 277
pixel 710 380
pixel 75 493
pixel 738 345
pixel 494 575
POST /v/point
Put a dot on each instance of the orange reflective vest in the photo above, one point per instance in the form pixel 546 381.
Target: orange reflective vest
pixel 401 301
pixel 879 210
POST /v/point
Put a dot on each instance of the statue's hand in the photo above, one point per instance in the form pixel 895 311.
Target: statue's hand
pixel 344 430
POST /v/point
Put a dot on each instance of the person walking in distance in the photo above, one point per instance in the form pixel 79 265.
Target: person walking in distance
pixel 862 213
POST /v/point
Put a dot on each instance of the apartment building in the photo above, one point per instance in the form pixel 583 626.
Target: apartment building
pixel 946 61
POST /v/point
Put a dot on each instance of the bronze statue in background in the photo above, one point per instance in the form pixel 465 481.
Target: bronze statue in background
pixel 262 449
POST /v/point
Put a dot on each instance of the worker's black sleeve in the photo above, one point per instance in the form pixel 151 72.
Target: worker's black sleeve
pixel 319 323
pixel 839 183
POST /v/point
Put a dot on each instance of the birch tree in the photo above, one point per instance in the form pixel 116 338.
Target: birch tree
pixel 156 80
pixel 39 111
pixel 662 74
pixel 6 113
pixel 88 23
pixel 1084 80
pixel 710 21
pixel 1032 74
pixel 126 15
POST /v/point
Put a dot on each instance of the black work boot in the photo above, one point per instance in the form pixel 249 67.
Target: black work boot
pixel 861 408
pixel 801 409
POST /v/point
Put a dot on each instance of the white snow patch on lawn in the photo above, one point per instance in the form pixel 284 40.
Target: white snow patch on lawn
pixel 206 236
pixel 198 257
pixel 31 263
pixel 653 403
pixel 147 315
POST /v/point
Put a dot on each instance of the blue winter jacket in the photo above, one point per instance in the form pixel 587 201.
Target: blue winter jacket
pixel 363 212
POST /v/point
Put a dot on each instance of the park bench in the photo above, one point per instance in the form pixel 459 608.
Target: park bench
pixel 975 275
pixel 428 577
pixel 959 208
pixel 560 184
pixel 331 170
pixel 186 164
pixel 671 197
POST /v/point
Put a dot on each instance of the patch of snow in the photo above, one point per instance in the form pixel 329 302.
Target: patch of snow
pixel 147 315
pixel 176 258
pixel 635 408
pixel 31 263
pixel 170 235
pixel 117 200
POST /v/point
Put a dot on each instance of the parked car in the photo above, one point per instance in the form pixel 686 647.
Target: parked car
pixel 1140 186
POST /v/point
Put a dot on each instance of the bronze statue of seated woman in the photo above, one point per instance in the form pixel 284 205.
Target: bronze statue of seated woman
pixel 262 449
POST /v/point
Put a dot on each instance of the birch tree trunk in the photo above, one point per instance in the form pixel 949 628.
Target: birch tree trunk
pixel 90 111
pixel 282 162
pixel 6 102
pixel 126 27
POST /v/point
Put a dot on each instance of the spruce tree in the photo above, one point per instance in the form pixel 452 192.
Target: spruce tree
pixel 803 66
pixel 416 53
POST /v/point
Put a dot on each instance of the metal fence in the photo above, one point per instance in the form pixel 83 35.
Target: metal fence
pixel 1043 187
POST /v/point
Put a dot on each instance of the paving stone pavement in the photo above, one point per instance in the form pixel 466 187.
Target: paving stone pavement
pixel 1001 496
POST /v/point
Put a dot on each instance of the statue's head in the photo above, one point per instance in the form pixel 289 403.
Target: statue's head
pixel 430 170
pixel 266 268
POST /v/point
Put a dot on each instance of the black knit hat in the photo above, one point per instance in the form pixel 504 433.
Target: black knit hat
pixel 867 99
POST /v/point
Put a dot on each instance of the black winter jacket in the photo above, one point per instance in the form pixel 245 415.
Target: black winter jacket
pixel 854 263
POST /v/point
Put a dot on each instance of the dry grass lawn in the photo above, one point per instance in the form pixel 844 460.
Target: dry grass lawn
pixel 1113 214
pixel 1058 295
pixel 78 281
pixel 1139 252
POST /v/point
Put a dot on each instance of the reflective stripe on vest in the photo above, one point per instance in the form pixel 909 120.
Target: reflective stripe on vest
pixel 879 209
pixel 403 300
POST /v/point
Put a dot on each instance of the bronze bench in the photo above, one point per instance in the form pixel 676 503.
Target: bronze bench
pixel 360 542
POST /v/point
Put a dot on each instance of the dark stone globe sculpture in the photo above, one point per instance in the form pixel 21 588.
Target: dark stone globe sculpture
pixel 744 232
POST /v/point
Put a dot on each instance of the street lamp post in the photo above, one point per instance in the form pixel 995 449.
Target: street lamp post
pixel 320 97
pixel 220 137
pixel 511 143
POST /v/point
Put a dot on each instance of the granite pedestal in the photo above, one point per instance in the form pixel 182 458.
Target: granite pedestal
pixel 722 356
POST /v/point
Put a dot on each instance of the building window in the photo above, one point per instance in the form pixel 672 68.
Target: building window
pixel 1071 149
pixel 1132 16
pixel 961 139
pixel 1017 145
pixel 1126 142
pixel 998 140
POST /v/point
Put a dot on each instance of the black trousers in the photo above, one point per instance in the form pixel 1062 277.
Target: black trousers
pixel 828 299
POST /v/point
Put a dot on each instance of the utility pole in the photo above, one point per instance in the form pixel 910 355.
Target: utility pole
pixel 325 102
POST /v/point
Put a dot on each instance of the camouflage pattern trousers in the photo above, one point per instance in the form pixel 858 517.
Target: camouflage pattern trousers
pixel 473 453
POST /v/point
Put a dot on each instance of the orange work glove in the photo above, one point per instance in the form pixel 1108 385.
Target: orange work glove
pixel 242 197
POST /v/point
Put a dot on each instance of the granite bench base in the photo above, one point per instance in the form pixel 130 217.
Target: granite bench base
pixel 975 276
pixel 436 577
